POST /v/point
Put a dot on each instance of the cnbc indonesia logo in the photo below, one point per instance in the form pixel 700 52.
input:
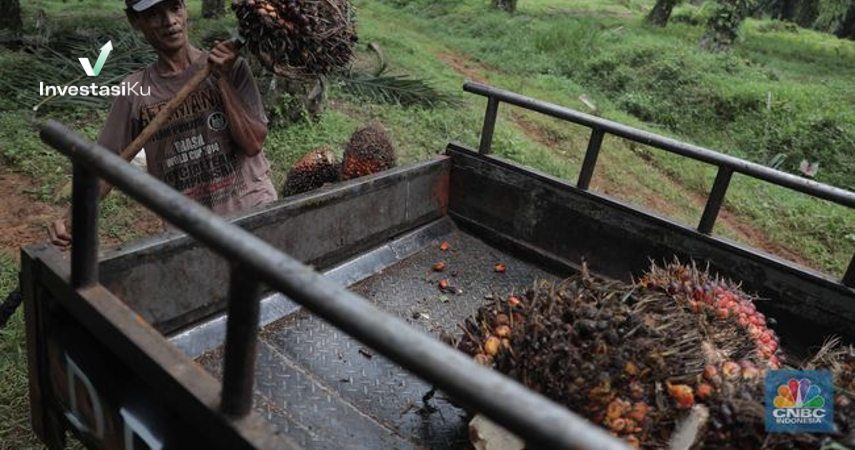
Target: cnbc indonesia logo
pixel 94 89
pixel 799 401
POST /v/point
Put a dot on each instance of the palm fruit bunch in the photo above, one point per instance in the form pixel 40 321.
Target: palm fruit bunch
pixel 717 299
pixel 369 151
pixel 311 171
pixel 298 39
pixel 636 358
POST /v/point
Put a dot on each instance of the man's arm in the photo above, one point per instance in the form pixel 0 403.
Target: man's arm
pixel 115 135
pixel 246 128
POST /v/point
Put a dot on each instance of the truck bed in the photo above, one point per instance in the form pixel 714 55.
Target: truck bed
pixel 322 387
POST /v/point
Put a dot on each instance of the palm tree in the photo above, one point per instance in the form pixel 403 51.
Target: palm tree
pixel 10 16
pixel 505 5
pixel 213 8
pixel 661 12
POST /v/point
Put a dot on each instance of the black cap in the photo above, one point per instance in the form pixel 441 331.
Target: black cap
pixel 141 5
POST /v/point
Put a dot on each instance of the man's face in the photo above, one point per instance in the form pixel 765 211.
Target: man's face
pixel 163 25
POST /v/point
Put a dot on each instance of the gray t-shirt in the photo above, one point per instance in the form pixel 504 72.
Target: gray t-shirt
pixel 194 151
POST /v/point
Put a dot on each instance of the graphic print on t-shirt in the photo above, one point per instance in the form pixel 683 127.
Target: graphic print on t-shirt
pixel 192 155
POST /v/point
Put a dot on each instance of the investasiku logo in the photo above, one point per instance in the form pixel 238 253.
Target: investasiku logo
pixel 99 63
pixel 799 401
pixel 93 89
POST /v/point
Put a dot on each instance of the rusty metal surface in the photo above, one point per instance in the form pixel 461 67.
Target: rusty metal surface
pixel 323 386
pixel 497 197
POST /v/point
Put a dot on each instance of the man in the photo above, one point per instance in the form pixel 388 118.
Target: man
pixel 211 148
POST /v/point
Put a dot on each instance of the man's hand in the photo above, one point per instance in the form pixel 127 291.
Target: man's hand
pixel 222 58
pixel 59 234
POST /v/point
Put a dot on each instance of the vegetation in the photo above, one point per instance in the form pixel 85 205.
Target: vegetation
pixel 781 95
pixel 661 12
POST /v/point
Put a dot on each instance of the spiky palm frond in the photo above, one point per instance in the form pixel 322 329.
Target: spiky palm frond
pixel 401 90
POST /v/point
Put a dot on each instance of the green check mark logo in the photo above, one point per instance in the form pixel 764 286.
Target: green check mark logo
pixel 99 64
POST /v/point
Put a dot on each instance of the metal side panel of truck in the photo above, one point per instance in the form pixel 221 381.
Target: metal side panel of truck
pixel 134 359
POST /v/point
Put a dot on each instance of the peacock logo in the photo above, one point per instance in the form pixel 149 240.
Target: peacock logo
pixel 799 401
pixel 799 394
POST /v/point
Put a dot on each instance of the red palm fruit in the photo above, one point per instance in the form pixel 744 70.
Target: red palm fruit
pixel 750 373
pixel 730 370
pixel 754 331
pixel 491 345
pixel 774 362
pixel 710 372
pixel 639 412
pixel 705 391
pixel 631 426
pixel 618 425
pixel 502 319
pixel 772 345
pixel 503 331
pixel 682 394
pixel 695 306
pixel 631 369
pixel 616 409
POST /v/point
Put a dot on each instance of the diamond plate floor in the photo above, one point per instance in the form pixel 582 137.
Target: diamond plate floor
pixel 326 390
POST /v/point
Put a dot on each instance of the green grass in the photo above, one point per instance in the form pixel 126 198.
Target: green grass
pixel 14 402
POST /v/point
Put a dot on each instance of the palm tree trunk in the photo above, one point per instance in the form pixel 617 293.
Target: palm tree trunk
pixel 661 12
pixel 10 16
pixel 213 8
pixel 505 5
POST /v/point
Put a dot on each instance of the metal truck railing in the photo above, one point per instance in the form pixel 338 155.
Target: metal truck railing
pixel 534 418
pixel 727 165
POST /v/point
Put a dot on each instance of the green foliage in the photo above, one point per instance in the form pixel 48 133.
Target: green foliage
pixel 831 14
pixel 403 90
pixel 693 15
pixel 723 24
